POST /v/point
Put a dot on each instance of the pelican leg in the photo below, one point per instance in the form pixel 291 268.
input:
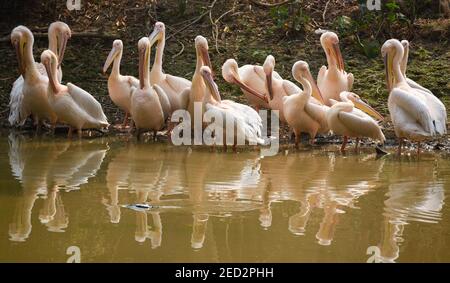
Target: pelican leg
pixel 138 134
pixel 297 140
pixel 356 145
pixel 80 133
pixel 418 148
pixel 400 144
pixel 344 144
pixel 234 147
pixel 53 128
pixel 155 135
pixel 125 120
pixel 69 134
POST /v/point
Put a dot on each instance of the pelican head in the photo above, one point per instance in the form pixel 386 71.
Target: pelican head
pixel 230 73
pixel 117 48
pixel 268 67
pixel 63 34
pixel 144 60
pixel 330 43
pixel 19 41
pixel 50 62
pixel 390 50
pixel 300 71
pixel 206 73
pixel 201 45
pixel 158 33
pixel 347 96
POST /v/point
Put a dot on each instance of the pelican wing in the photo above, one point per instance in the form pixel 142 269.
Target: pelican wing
pixel 318 113
pixel 415 85
pixel 17 112
pixel 178 83
pixel 413 106
pixel 361 126
pixel 87 102
pixel 248 119
pixel 163 100
pixel 438 112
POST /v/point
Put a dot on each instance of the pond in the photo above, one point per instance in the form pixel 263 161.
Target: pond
pixel 117 200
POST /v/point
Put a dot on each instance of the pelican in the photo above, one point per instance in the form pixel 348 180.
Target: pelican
pixel 247 121
pixel 173 86
pixel 198 87
pixel 333 80
pixel 74 106
pixel 252 81
pixel 150 106
pixel 58 35
pixel 344 119
pixel 120 87
pixel 34 100
pixel 278 88
pixel 301 114
pixel 416 115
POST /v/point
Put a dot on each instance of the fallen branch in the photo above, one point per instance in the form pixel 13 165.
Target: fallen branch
pixel 270 5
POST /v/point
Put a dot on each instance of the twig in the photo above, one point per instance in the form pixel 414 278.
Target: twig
pixel 325 10
pixel 270 5
pixel 194 21
pixel 181 51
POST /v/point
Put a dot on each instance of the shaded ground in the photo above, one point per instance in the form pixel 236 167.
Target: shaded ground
pixel 235 29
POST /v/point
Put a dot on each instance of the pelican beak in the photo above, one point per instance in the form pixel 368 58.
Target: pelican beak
pixel 206 60
pixel 142 60
pixel 269 84
pixel 154 36
pixel 247 88
pixel 362 105
pixel 48 69
pixel 17 46
pixel 388 70
pixel 338 56
pixel 316 93
pixel 207 77
pixel 110 59
pixel 62 50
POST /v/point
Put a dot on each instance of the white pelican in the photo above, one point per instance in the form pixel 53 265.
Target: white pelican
pixel 416 114
pixel 58 35
pixel 34 100
pixel 344 119
pixel 150 106
pixel 333 80
pixel 278 88
pixel 74 106
pixel 173 86
pixel 120 87
pixel 252 81
pixel 247 121
pixel 301 114
pixel 198 87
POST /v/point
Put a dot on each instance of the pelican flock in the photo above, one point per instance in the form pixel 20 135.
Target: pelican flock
pixel 320 107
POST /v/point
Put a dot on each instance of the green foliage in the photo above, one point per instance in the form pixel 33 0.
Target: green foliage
pixel 290 19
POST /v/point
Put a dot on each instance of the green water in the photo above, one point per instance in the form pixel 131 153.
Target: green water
pixel 299 206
